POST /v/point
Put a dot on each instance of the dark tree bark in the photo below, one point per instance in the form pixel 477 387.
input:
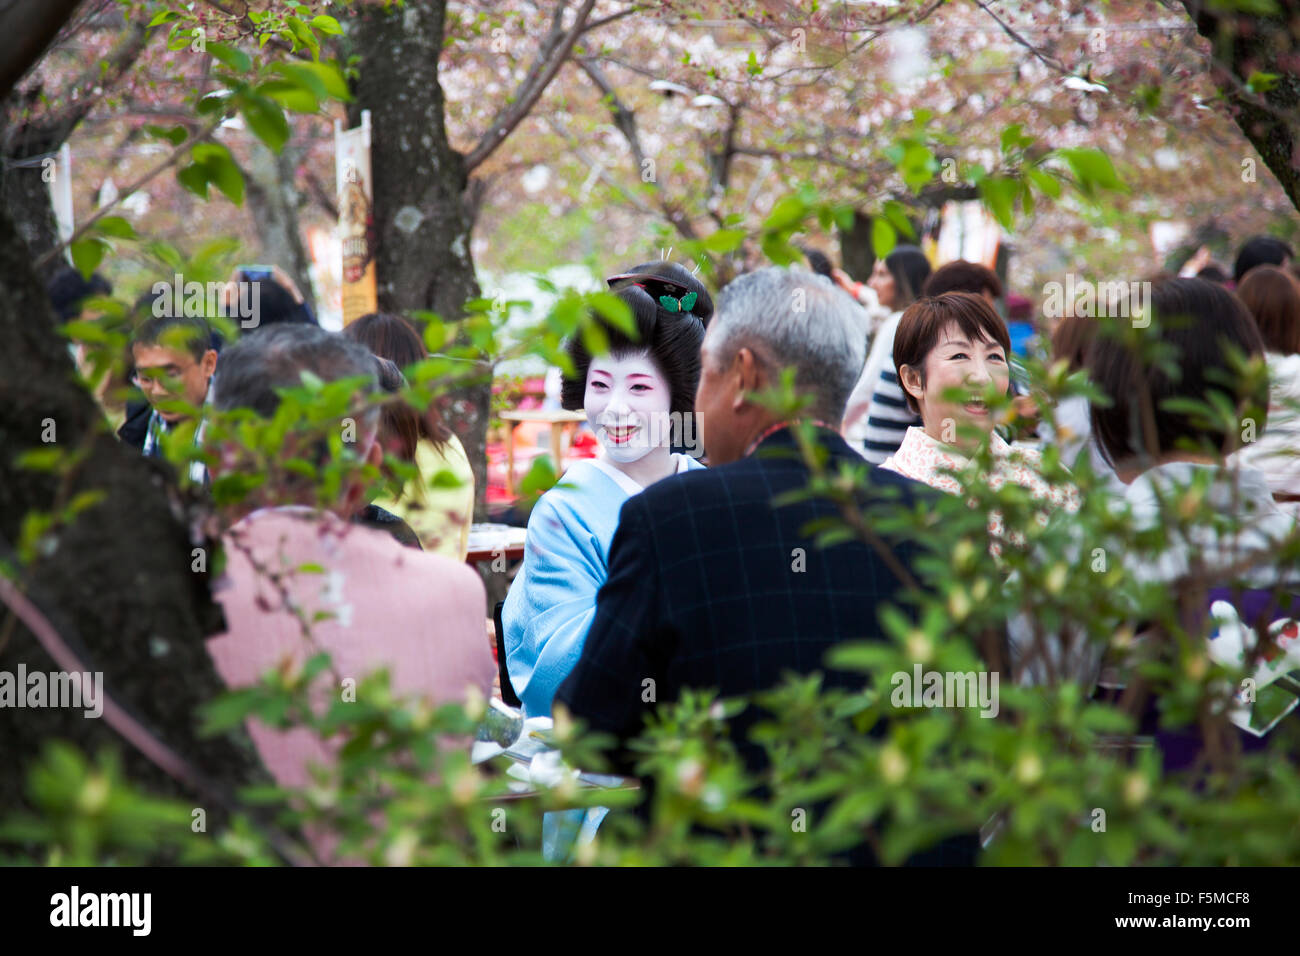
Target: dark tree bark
pixel 116 581
pixel 425 201
pixel 27 195
pixel 26 29
pixel 29 133
pixel 273 200
pixel 422 221
pixel 1243 44
pixel 857 257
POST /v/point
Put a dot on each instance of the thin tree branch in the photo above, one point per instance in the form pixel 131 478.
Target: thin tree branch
pixel 170 161
pixel 625 120
pixel 1049 61
pixel 550 57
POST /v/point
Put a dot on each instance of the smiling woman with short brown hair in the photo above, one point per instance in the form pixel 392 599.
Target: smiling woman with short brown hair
pixel 956 341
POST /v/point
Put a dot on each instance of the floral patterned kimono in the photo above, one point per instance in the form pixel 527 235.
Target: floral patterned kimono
pixel 927 460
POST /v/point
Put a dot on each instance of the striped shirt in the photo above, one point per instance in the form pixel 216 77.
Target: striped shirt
pixel 888 417
pixel 880 429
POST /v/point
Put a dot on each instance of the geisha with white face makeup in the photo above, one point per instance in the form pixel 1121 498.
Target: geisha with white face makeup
pixel 632 395
pixel 627 405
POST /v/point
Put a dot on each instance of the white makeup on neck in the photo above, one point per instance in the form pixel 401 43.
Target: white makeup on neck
pixel 627 404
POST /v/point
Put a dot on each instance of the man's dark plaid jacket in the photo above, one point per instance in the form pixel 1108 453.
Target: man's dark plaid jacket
pixel 703 590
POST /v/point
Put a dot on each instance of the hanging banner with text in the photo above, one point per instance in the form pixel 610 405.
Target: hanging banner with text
pixel 356 217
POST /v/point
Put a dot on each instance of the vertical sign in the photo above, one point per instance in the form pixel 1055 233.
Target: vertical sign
pixel 60 180
pixel 356 217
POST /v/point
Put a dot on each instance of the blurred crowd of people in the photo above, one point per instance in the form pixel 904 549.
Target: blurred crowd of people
pixel 654 568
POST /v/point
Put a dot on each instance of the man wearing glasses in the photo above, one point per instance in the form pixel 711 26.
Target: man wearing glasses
pixel 174 363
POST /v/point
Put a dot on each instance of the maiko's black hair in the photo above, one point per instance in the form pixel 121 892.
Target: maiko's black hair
pixel 671 338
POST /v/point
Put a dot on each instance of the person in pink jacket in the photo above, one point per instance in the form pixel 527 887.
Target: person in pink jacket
pixel 417 614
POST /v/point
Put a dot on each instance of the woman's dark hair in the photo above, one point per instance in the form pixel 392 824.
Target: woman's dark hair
pixel 1273 297
pixel 910 268
pixel 276 305
pixel 68 289
pixel 1072 338
pixel 671 338
pixel 391 337
pixel 1200 322
pixel 818 261
pixel 1260 251
pixel 1214 273
pixel 962 276
pixel 925 320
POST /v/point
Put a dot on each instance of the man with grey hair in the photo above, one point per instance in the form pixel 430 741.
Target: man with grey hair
pixel 370 602
pixel 711 584
pixel 276 358
pixel 767 321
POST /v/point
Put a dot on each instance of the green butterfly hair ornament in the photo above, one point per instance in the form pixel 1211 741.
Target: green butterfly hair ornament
pixel 684 304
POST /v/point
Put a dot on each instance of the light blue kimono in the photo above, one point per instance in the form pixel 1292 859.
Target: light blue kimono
pixel 552 602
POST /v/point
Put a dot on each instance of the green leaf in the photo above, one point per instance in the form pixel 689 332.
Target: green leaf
pixel 1013 137
pixel 1261 82
pixel 883 237
pixel 163 16
pixel 779 250
pixel 303 34
pixel 327 75
pixel 237 60
pixel 326 24
pixel 40 459
pixel 290 96
pixel 435 336
pixel 787 212
pixel 117 227
pixel 999 194
pixel 614 311
pixel 1046 183
pixel 445 479
pixel 723 241
pixel 227 177
pixel 86 330
pixel 267 122
pixel 896 213
pixel 541 477
pixel 176 135
pixel 917 166
pixel 166 252
pixel 1093 169
pixel 87 254
pixel 194 177
pixel 220 169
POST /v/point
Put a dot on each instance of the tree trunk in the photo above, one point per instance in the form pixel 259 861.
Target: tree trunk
pixel 857 256
pixel 1243 44
pixel 26 194
pixel 422 217
pixel 116 581
pixel 274 202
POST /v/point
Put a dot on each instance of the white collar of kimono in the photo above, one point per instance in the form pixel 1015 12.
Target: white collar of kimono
pixel 625 482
